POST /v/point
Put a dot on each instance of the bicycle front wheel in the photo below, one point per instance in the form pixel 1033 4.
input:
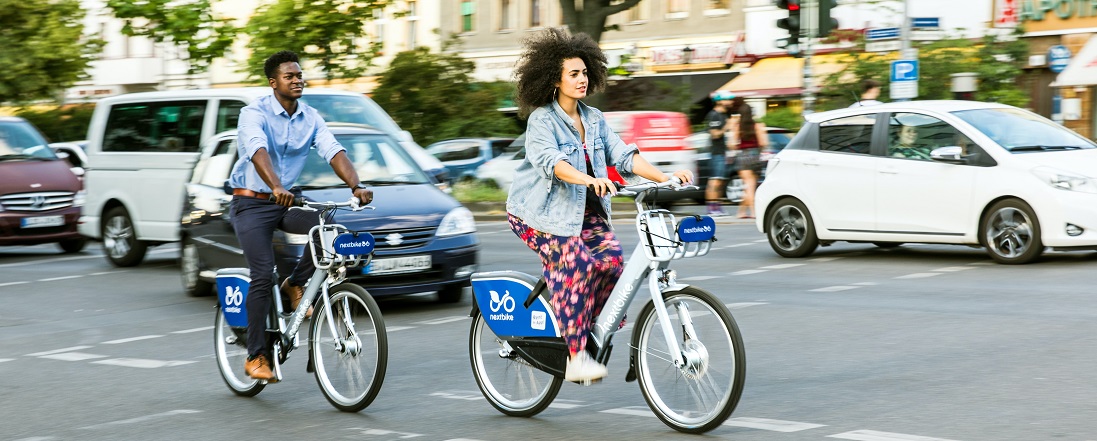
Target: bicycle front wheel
pixel 508 381
pixel 230 348
pixel 350 362
pixel 701 394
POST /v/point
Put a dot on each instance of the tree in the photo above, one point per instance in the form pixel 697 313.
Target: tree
pixel 433 96
pixel 44 48
pixel 329 31
pixel 590 16
pixel 188 24
pixel 998 59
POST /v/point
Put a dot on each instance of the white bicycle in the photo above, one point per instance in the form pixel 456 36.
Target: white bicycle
pixel 686 350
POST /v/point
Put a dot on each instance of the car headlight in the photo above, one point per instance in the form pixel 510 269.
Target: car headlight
pixel 79 198
pixel 458 221
pixel 1065 180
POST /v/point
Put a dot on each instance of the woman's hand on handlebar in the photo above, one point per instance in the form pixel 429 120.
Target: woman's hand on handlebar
pixel 685 177
pixel 602 187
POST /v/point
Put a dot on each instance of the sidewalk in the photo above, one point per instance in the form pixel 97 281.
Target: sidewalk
pixel 496 211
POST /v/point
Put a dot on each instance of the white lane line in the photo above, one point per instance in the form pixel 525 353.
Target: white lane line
pixel 13 283
pixel 873 435
pixel 743 305
pixel 103 273
pixel 37 438
pixel 443 320
pixel 865 284
pixel 737 245
pixel 698 278
pixel 825 259
pixel 389 434
pixel 459 395
pixel 142 363
pixel 952 269
pixel 834 288
pixel 6 359
pixel 746 272
pixel 631 410
pixel 918 275
pixel 761 241
pixel 127 340
pixel 143 418
pixel 771 425
pixel 56 351
pixel 73 356
pixel 397 328
pixel 784 265
pixel 567 404
pixel 51 279
pixel 188 331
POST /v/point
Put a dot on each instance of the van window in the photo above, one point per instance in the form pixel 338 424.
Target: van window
pixel 351 109
pixel 228 114
pixel 172 126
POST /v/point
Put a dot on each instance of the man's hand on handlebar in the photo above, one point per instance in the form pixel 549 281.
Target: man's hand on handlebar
pixel 364 195
pixel 282 197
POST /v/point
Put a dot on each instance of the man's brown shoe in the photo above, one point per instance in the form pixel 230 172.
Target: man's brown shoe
pixel 294 293
pixel 258 368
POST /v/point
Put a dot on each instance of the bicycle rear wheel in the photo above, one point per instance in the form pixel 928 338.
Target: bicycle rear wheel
pixel 510 383
pixel 350 364
pixel 230 348
pixel 701 394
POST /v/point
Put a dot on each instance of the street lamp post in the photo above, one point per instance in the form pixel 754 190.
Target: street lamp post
pixel 687 58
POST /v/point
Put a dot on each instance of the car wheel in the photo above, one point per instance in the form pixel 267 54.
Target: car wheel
pixel 72 245
pixel 120 242
pixel 1011 233
pixel 888 244
pixel 734 190
pixel 451 293
pixel 191 263
pixel 790 230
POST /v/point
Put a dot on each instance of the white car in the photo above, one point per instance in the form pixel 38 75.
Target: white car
pixel 500 169
pixel 946 172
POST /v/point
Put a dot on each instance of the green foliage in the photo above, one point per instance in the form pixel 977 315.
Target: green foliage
pixel 997 59
pixel 476 191
pixel 68 123
pixel 783 117
pixel 327 31
pixel 433 96
pixel 644 94
pixel 188 24
pixel 44 48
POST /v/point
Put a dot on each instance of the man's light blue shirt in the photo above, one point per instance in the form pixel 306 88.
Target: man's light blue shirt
pixel 265 124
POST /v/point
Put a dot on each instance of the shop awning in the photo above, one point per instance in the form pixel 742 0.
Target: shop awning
pixel 1082 69
pixel 781 76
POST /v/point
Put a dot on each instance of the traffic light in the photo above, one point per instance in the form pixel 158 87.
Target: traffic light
pixel 826 23
pixel 791 24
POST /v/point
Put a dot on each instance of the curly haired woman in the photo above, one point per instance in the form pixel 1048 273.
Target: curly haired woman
pixel 559 200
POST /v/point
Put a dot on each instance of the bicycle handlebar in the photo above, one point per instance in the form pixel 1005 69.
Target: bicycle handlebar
pixel 304 204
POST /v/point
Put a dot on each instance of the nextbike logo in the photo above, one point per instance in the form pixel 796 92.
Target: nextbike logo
pixel 233 299
pixel 506 303
pixel 700 229
pixel 346 245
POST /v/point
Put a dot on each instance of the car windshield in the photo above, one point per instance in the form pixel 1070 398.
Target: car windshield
pixel 19 140
pixel 351 109
pixel 379 160
pixel 1017 130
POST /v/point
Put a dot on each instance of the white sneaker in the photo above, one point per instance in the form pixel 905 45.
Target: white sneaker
pixel 583 369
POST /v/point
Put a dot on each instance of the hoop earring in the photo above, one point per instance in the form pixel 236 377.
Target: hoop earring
pixel 554 89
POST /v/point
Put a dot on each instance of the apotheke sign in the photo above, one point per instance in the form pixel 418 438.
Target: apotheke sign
pixel 1045 15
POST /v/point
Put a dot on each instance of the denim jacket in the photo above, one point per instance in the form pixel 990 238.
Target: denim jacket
pixel 537 196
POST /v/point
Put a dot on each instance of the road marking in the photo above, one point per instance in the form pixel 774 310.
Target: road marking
pixel 918 275
pixel 761 241
pixel 396 328
pixel 37 438
pixel 188 331
pixel 631 410
pixel 743 305
pixel 127 340
pixel 747 272
pixel 143 418
pixel 825 259
pixel 142 363
pixel 51 279
pixel 443 320
pixel 737 245
pixel 6 359
pixel 865 284
pixel 566 404
pixel 950 269
pixel 72 356
pixel 873 435
pixel 784 265
pixel 12 283
pixel 834 288
pixel 772 425
pixel 55 351
pixel 699 278
pixel 459 395
pixel 383 432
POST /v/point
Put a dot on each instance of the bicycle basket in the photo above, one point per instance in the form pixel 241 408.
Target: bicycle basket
pixel 664 238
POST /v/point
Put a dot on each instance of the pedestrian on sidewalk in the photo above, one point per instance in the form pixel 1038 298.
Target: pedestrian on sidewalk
pixel 718 125
pixel 752 139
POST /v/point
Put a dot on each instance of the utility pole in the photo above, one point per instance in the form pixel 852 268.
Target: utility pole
pixel 810 13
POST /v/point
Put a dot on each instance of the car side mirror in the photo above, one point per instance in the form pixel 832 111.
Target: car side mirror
pixel 952 154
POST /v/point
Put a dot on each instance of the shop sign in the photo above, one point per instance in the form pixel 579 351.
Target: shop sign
pixel 702 53
pixel 1058 57
pixel 1045 16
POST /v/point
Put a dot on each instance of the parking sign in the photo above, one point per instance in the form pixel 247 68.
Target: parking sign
pixel 904 79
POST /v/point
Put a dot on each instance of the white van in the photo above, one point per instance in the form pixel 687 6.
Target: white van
pixel 142 147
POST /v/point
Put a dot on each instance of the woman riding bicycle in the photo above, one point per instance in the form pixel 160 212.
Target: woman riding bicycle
pixel 559 200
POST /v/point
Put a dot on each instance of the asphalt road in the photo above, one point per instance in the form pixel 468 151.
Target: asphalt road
pixel 918 343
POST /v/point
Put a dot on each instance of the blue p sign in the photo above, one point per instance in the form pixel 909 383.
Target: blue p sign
pixel 904 70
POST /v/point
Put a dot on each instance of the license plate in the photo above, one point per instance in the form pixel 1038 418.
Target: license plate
pixel 42 221
pixel 408 264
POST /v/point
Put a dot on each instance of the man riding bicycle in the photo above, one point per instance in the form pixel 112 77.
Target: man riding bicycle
pixel 275 134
